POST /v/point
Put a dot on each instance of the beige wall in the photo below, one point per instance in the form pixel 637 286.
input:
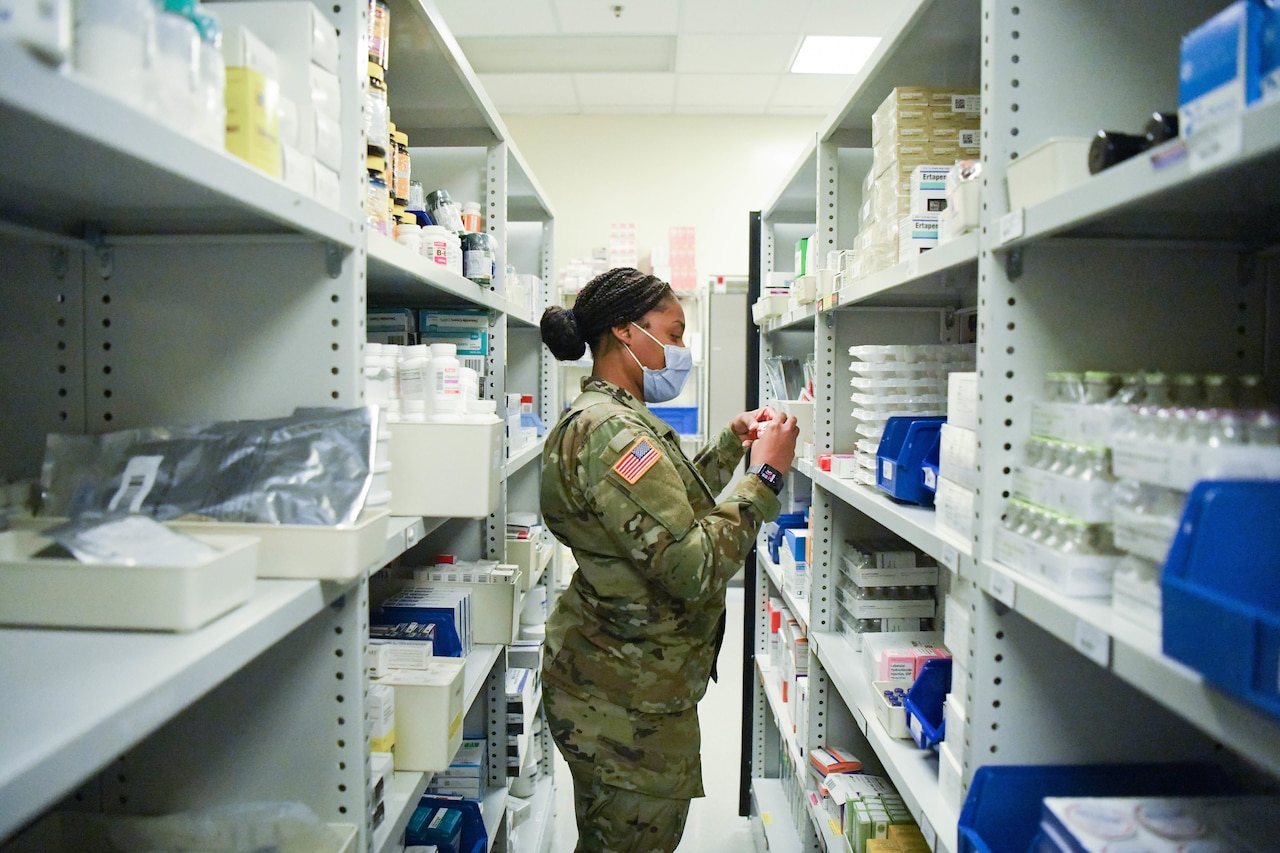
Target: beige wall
pixel 660 171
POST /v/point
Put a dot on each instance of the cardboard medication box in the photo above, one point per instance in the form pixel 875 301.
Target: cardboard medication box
pixel 252 100
pixel 428 714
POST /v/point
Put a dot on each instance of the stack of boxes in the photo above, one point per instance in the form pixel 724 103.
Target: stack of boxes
pixel 896 381
pixel 524 694
pixel 914 127
pixel 955 709
pixel 381 767
pixel 955 502
pixel 466 776
pixel 622 251
pixel 306 131
pixel 682 255
pixel 884 587
pixel 869 810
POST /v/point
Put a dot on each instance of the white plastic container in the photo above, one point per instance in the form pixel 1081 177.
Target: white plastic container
pixel 114 43
pixel 453 259
pixel 429 711
pixel 410 236
pixel 307 551
pixel 463 482
pixel 174 77
pixel 1052 167
pixel 56 592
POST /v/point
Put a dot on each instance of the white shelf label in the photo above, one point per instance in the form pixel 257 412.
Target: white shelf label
pixel 951 557
pixel 1012 225
pixel 1002 587
pixel 929 833
pixel 1093 643
pixel 1216 144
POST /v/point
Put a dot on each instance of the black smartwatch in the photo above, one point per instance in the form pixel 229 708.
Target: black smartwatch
pixel 772 476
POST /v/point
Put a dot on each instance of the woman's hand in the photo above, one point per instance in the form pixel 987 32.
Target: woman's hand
pixel 747 426
pixel 776 444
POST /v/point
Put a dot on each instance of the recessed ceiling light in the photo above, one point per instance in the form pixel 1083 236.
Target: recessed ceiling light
pixel 833 54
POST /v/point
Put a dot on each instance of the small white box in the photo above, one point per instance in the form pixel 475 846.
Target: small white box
pixel 297 170
pixel 446 470
pixel 382 717
pixel 294 29
pixel 327 187
pixel 320 135
pixel 63 592
pixel 929 190
pixel 954 507
pixel 959 678
pixel 957 721
pixel 381 766
pixel 958 455
pixel 962 400
pixel 386 655
pixel 325 91
pixel 42 25
pixel 428 714
pixel 950 776
pixel 241 48
pixel 1052 167
pixel 916 235
pixel 955 630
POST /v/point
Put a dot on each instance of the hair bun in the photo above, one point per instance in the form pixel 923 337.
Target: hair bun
pixel 560 334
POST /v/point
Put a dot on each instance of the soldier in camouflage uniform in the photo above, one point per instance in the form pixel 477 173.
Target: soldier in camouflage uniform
pixel 633 640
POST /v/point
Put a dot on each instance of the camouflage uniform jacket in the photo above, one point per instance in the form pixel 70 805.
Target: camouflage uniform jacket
pixel 638 624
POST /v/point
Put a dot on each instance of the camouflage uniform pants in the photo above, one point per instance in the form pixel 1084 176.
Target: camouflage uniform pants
pixel 633 773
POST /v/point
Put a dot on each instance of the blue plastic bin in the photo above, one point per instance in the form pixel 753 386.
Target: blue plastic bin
pixel 1221 591
pixel 682 419
pixel 929 469
pixel 1002 812
pixel 903 448
pixel 924 703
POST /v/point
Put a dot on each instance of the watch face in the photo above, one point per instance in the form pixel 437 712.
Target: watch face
pixel 771 476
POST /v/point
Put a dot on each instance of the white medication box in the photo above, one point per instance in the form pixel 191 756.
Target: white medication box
pixel 929 190
pixel 428 714
pixel 962 400
pixel 42 25
pixel 382 717
pixel 958 455
pixel 446 470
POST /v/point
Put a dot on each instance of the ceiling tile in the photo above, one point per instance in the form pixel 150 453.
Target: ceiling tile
pixel 517 93
pixel 727 91
pixel 597 16
pixel 851 17
pixel 810 90
pixel 618 91
pixel 498 17
pixel 570 54
pixel 743 16
pixel 740 54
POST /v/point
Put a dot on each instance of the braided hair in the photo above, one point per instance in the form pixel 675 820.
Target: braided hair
pixel 621 295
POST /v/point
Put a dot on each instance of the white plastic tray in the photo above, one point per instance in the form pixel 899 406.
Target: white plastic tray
pixel 72 832
pixel 52 592
pixel 308 551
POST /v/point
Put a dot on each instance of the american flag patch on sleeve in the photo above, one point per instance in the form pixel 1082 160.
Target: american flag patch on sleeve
pixel 639 458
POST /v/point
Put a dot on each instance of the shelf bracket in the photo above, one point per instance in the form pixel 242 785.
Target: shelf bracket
pixel 1013 263
pixel 333 259
pixel 94 237
pixel 60 260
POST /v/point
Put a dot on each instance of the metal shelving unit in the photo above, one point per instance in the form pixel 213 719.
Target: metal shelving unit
pixel 1166 260
pixel 151 279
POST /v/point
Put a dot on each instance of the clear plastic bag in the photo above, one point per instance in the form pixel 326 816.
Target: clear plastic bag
pixel 313 467
pixel 247 828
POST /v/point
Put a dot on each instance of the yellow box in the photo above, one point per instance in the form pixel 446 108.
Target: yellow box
pixel 253 128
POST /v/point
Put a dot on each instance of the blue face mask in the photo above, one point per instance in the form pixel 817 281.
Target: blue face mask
pixel 666 383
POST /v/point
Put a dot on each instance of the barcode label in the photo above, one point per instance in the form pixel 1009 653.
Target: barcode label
pixel 136 483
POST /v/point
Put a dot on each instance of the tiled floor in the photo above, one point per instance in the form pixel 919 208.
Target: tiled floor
pixel 714 825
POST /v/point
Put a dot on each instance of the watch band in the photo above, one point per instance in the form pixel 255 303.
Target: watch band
pixel 772 477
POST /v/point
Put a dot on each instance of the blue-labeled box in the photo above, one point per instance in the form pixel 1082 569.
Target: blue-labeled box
pixel 1228 63
pixel 435 825
pixel 796 540
pixel 447 609
pixel 774 531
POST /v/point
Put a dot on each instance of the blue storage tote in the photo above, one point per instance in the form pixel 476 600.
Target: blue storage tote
pixel 924 703
pixel 906 443
pixel 1002 812
pixel 683 419
pixel 1221 589
pixel 475 838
